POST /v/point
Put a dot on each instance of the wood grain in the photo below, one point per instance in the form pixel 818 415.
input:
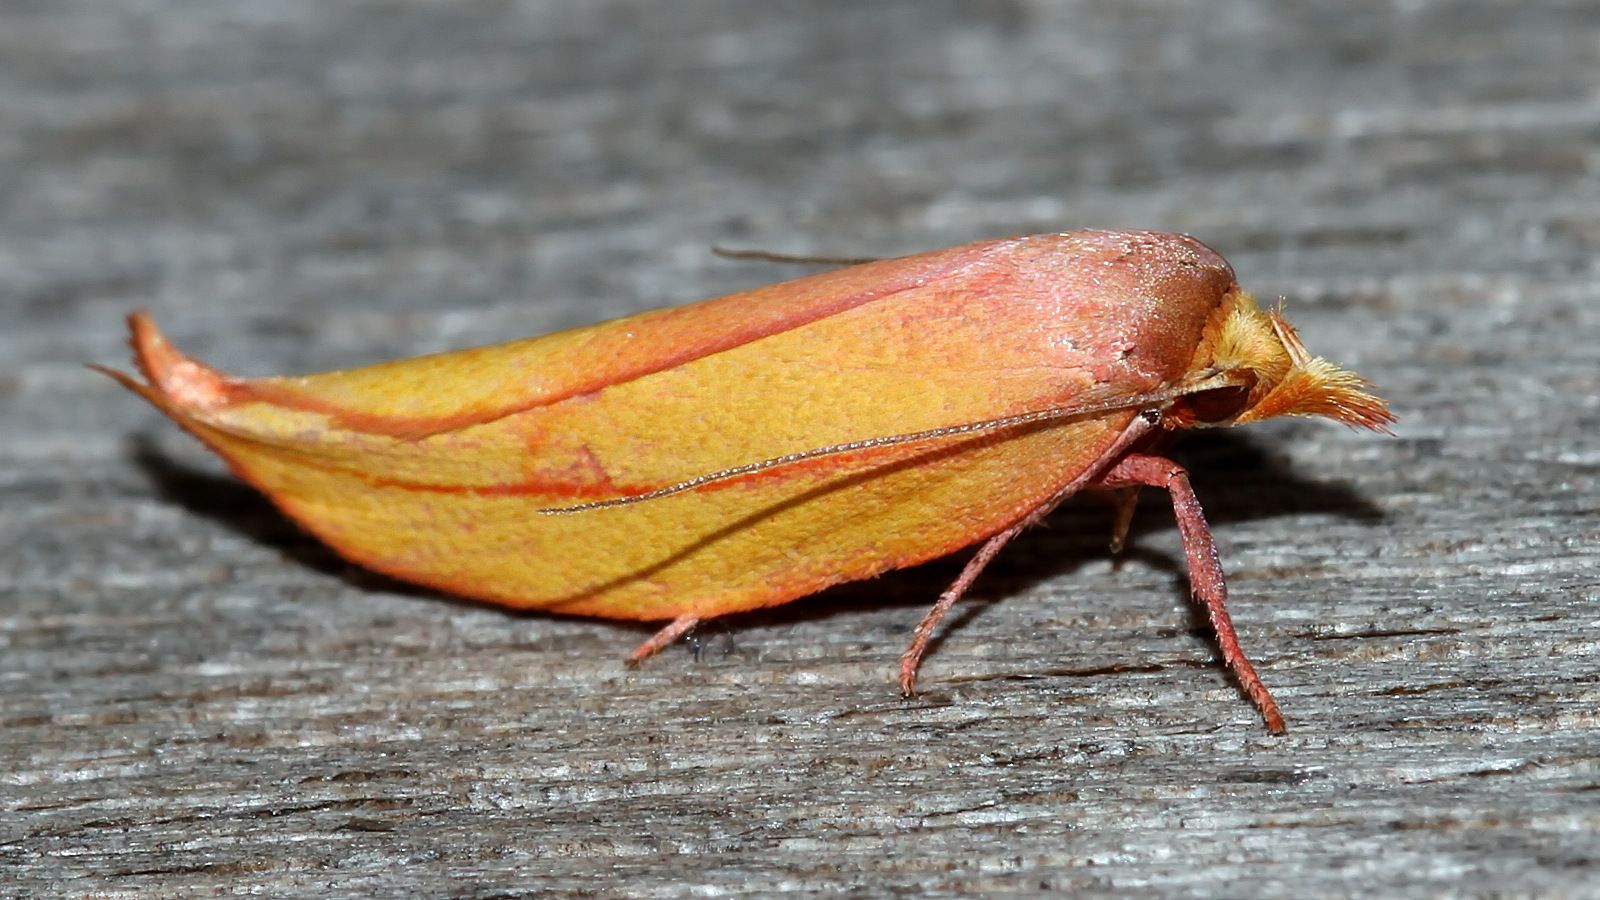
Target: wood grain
pixel 196 699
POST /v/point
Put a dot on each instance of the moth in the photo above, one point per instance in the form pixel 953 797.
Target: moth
pixel 749 450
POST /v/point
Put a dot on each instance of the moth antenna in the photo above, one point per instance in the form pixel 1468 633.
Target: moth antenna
pixel 890 440
pixel 803 259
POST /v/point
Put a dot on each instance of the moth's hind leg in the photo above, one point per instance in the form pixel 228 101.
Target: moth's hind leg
pixel 659 641
pixel 912 658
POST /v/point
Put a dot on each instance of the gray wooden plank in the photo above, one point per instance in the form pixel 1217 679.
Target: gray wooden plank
pixel 197 699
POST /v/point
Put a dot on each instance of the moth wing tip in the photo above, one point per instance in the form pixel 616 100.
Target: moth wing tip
pixel 173 376
pixel 152 352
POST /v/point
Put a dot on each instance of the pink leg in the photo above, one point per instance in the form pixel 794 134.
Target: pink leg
pixel 912 658
pixel 1205 572
pixel 1127 501
pixel 1135 430
pixel 658 641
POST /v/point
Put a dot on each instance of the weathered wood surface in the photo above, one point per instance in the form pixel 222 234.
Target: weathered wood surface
pixel 196 698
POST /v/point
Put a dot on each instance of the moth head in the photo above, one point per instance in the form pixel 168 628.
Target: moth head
pixel 1251 365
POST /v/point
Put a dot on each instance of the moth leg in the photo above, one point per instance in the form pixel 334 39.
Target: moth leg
pixel 658 641
pixel 912 658
pixel 1126 500
pixel 1205 572
pixel 1134 431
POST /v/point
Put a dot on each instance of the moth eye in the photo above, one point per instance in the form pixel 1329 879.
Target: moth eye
pixel 1217 404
